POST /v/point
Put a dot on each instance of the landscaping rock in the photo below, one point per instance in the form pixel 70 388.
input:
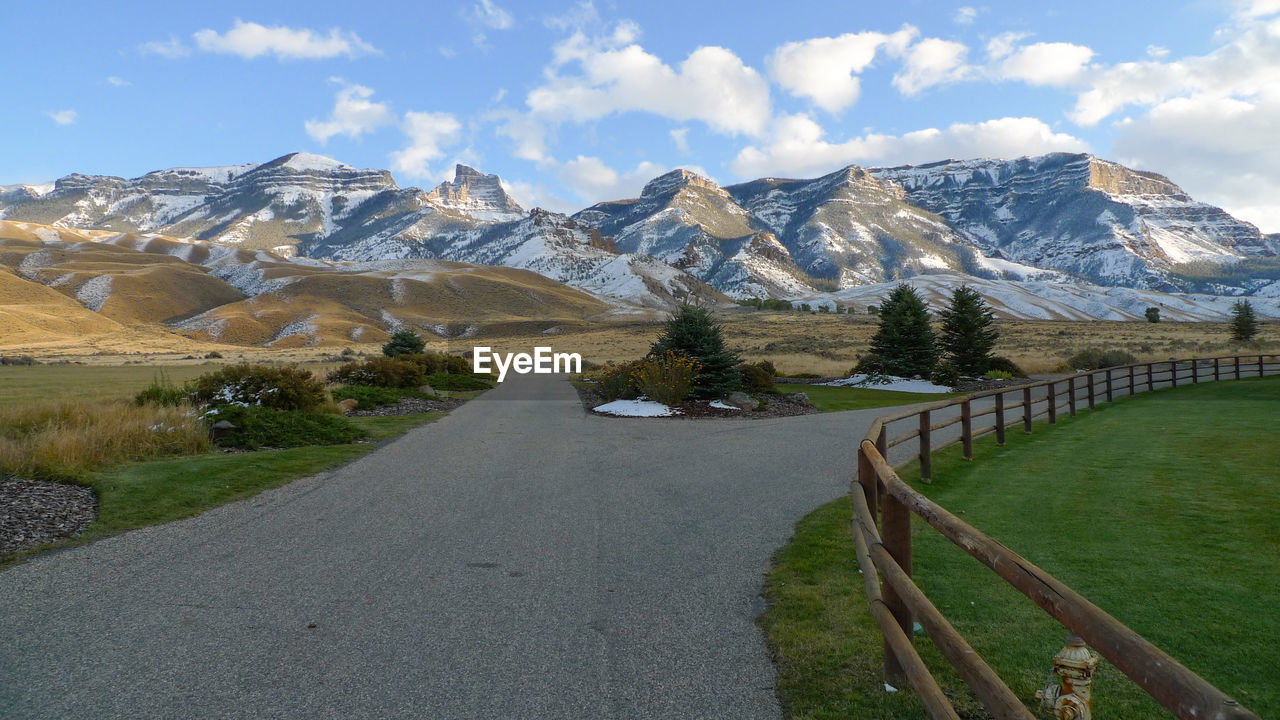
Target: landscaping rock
pixel 33 513
pixel 348 405
pixel 798 397
pixel 741 400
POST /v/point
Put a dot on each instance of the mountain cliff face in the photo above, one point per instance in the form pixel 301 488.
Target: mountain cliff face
pixel 1084 216
pixel 476 194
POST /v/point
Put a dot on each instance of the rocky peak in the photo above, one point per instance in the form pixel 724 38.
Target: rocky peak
pixel 1117 179
pixel 674 180
pixel 476 194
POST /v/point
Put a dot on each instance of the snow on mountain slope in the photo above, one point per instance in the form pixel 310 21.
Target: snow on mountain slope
pixel 473 193
pixel 1084 216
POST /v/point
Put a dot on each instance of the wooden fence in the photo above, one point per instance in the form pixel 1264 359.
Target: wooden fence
pixel 884 548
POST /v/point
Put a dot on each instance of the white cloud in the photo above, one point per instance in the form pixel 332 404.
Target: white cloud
pixel 488 14
pixel 353 115
pixel 594 181
pixel 1055 63
pixel 428 134
pixel 528 132
pixel 448 52
pixel 615 75
pixel 1156 51
pixel 63 117
pixel 532 195
pixel 1220 150
pixel 579 17
pixel 1247 64
pixel 798 148
pixel 1002 45
pixel 825 69
pixel 1256 8
pixel 680 136
pixel 250 40
pixel 931 62
pixel 171 48
pixel 965 15
pixel 117 81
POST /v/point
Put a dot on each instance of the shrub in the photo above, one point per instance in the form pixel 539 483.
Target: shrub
pixel 904 344
pixel 617 382
pixel 945 374
pixel 667 378
pixel 1004 365
pixel 1093 358
pixel 17 360
pixel 383 372
pixel 1153 314
pixel 453 381
pixel 693 332
pixel 287 387
pixel 161 392
pixel 999 375
pixel 758 377
pixel 258 427
pixel 403 342
pixel 67 439
pixel 432 362
pixel 366 396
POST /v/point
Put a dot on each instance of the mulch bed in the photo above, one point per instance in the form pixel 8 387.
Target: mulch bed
pixel 410 406
pixel 776 406
pixel 33 513
pixel 979 385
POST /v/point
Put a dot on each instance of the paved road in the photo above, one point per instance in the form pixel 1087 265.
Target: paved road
pixel 517 559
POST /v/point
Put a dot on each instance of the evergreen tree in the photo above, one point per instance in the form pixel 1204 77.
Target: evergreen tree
pixel 904 345
pixel 967 334
pixel 1244 323
pixel 1153 314
pixel 404 342
pixel 692 331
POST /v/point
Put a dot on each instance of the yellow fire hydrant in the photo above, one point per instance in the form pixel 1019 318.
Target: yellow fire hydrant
pixel 1069 691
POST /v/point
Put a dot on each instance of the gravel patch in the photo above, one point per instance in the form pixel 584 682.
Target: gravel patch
pixel 410 406
pixel 33 513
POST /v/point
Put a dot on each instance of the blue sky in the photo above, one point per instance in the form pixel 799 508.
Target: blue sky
pixel 576 102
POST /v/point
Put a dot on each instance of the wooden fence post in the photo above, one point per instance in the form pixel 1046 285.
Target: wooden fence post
pixel 896 535
pixel 1195 371
pixel 1261 372
pixel 1109 395
pixel 1173 372
pixel 869 481
pixel 1026 410
pixel 1000 418
pixel 1053 404
pixel 1237 359
pixel 1071 390
pixel 882 442
pixel 1215 369
pixel 966 429
pixel 1132 390
pixel 1151 376
pixel 1091 396
pixel 926 451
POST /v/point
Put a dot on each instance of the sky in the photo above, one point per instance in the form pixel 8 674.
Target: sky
pixel 578 102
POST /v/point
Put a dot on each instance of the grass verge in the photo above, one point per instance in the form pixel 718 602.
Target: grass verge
pixel 138 494
pixel 829 398
pixel 1158 508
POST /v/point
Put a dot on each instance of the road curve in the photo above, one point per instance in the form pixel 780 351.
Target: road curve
pixel 517 559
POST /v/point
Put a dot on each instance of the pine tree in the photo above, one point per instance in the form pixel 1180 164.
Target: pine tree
pixel 404 342
pixel 967 334
pixel 1244 323
pixel 692 331
pixel 904 345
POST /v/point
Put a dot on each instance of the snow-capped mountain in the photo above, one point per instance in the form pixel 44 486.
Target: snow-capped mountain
pixel 1088 217
pixel 476 194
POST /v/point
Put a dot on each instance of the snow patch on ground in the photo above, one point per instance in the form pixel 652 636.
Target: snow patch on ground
pixel 722 405
pixel 635 408
pixel 885 382
pixel 94 294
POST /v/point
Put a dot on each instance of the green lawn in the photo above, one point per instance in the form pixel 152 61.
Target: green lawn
pixel 832 399
pixel 146 493
pixel 1159 508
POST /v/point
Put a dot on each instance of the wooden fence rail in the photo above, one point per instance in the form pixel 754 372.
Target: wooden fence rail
pixel 884 548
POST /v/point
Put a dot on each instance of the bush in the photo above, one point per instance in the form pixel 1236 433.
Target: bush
pixel 758 377
pixel 161 393
pixel 404 342
pixel 1093 358
pixel 1004 365
pixel 1153 314
pixel 667 378
pixel 287 387
pixel 432 363
pixel 454 381
pixel 382 372
pixel 67 439
pixel 17 360
pixel 999 375
pixel 617 382
pixel 366 396
pixel 945 374
pixel 258 427
pixel 693 332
